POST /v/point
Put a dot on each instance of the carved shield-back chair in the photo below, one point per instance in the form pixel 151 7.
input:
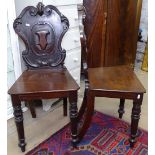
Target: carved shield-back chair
pixel 42 28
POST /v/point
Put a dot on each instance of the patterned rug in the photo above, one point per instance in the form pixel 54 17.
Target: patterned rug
pixel 106 136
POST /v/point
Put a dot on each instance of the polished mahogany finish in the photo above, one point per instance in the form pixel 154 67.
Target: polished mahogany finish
pixel 118 79
pixel 42 29
pixel 46 26
pixel 43 80
pixel 112 82
pixel 111 28
pixel 120 86
pixel 95 30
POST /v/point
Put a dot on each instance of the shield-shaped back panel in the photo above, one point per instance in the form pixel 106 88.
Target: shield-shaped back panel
pixel 42 29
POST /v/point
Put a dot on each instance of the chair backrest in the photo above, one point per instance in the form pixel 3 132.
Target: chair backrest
pixel 42 28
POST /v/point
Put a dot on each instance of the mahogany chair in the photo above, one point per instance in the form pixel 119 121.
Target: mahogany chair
pixel 112 82
pixel 42 28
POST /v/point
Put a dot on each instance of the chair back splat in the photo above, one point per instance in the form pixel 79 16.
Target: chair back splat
pixel 42 29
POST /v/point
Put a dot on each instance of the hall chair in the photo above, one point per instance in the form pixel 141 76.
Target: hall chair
pixel 42 29
pixel 113 82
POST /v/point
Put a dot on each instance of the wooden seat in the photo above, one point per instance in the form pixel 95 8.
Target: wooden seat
pixel 42 29
pixel 45 80
pixel 117 78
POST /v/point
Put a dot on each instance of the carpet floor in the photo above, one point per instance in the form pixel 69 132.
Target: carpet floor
pixel 106 136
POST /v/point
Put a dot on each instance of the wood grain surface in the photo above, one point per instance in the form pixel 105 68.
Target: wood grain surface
pixel 111 28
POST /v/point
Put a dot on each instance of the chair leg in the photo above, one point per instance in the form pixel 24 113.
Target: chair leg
pixel 31 106
pixel 134 122
pixel 18 116
pixel 84 105
pixel 65 106
pixel 87 115
pixel 121 108
pixel 73 117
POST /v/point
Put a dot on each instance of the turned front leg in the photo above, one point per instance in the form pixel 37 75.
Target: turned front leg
pixel 121 108
pixel 136 110
pixel 18 116
pixel 73 117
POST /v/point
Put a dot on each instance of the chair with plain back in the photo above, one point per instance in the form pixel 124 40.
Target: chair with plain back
pixel 112 82
pixel 42 28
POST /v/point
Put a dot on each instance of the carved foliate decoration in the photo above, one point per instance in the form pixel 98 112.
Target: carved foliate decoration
pixel 42 29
